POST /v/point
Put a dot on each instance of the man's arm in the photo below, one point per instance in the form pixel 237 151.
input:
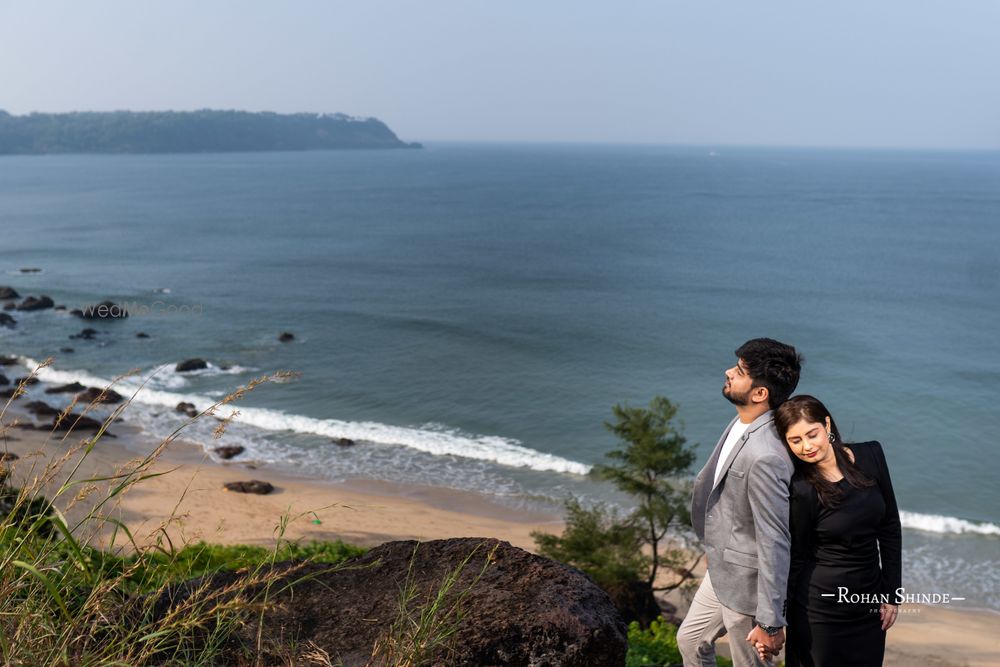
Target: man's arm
pixel 767 490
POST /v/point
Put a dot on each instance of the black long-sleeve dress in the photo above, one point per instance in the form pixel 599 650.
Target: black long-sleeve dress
pixel 837 548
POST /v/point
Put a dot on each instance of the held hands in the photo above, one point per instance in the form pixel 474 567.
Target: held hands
pixel 888 613
pixel 767 645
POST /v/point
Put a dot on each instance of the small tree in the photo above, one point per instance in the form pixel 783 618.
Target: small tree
pixel 650 468
pixel 598 541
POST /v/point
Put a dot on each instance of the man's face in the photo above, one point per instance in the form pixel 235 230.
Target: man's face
pixel 738 384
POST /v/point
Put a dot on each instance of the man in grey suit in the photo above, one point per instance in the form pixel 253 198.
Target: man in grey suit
pixel 739 511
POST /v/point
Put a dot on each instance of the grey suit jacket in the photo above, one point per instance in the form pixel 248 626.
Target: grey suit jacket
pixel 743 522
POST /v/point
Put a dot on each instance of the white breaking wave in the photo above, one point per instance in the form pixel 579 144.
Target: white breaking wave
pixel 935 523
pixel 505 451
pixel 165 377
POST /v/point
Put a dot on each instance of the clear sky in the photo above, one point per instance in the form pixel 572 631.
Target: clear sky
pixel 902 73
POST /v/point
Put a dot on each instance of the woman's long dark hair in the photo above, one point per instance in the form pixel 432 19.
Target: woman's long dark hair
pixel 810 409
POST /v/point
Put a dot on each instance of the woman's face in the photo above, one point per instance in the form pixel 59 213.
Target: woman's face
pixel 810 441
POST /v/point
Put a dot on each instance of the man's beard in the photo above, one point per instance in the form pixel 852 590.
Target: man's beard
pixel 735 399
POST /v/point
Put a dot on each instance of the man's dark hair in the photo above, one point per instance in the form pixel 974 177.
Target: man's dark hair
pixel 772 365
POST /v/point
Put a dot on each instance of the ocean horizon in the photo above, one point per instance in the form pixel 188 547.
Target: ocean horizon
pixel 469 313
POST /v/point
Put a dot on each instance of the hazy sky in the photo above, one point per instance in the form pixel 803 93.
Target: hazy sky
pixel 803 72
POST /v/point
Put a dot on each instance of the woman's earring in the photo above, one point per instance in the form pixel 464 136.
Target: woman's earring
pixel 829 435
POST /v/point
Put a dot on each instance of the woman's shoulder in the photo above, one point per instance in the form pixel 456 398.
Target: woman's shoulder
pixel 868 456
pixel 870 448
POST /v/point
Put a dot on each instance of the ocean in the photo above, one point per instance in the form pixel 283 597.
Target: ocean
pixel 469 313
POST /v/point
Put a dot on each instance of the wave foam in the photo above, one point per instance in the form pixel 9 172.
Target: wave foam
pixel 935 523
pixel 437 441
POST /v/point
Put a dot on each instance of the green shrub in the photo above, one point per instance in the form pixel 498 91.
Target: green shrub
pixel 599 542
pixel 657 645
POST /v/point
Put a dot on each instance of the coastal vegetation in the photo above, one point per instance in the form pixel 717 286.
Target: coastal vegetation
pixel 203 131
pixel 643 552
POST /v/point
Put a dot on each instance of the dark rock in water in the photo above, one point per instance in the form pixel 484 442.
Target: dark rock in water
pixel 7 321
pixel 8 293
pixel 252 486
pixel 76 312
pixel 85 334
pixel 76 422
pixel 344 442
pixel 105 310
pixel 228 451
pixel 67 350
pixel 3 380
pixel 142 334
pixel 191 365
pixel 523 611
pixel 31 269
pixel 8 393
pixel 10 305
pixel 187 408
pixel 72 387
pixel 28 380
pixel 8 456
pixel 92 394
pixel 41 408
pixel 7 360
pixel 59 307
pixel 36 303
pixel 286 337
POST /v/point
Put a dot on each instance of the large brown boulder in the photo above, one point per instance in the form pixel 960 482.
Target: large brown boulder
pixel 524 610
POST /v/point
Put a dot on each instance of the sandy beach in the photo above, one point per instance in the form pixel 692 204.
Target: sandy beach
pixel 191 504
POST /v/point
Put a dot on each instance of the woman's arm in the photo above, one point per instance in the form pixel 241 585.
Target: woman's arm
pixel 802 525
pixel 890 533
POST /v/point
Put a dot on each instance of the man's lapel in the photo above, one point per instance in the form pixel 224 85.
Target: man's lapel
pixel 713 460
pixel 754 425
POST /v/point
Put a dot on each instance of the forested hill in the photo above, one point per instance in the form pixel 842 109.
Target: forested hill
pixel 203 131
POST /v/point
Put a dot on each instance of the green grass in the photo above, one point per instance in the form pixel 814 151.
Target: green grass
pixel 150 570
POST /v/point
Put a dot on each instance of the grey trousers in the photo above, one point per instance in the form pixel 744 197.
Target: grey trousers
pixel 706 621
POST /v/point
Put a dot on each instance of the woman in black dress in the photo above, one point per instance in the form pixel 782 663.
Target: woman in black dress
pixel 846 560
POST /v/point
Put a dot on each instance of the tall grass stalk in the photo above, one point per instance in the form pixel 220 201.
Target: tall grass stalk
pixel 426 625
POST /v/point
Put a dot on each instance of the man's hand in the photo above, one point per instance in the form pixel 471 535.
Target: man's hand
pixel 767 645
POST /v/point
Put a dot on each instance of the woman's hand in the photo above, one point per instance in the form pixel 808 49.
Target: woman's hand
pixel 888 613
pixel 763 651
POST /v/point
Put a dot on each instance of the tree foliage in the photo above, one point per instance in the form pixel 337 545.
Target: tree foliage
pixel 598 541
pixel 201 131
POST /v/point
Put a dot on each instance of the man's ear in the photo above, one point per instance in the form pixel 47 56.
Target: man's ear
pixel 759 394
